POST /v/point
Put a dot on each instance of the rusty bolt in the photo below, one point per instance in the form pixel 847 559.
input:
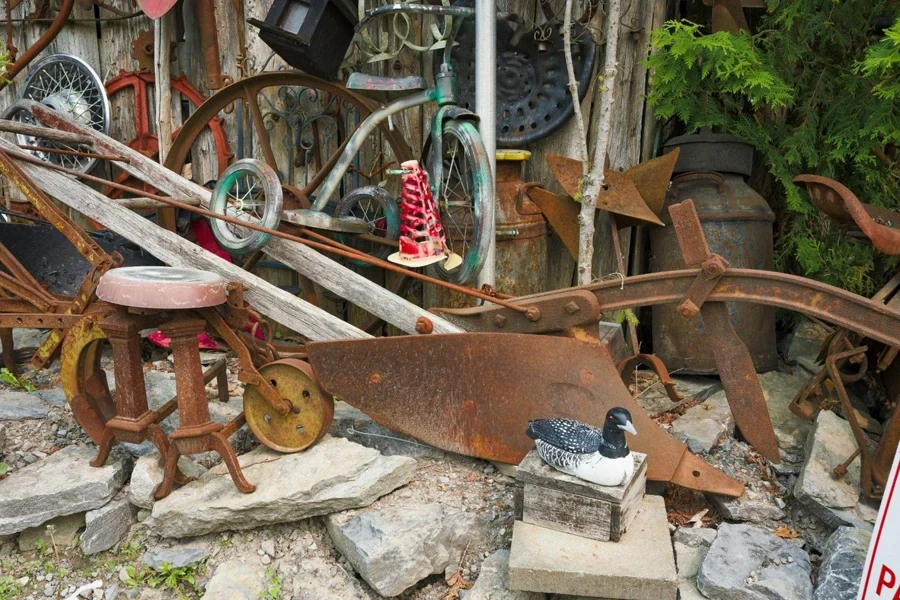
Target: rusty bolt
pixel 840 471
pixel 424 325
pixel 714 266
pixel 533 313
pixel 572 307
pixel 499 320
pixel 688 309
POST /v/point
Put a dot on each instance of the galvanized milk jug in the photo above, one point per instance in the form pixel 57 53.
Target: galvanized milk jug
pixel 737 223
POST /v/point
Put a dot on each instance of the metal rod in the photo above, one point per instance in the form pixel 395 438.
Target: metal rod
pixel 45 133
pixel 486 107
pixel 325 245
pixel 42 42
pixel 73 153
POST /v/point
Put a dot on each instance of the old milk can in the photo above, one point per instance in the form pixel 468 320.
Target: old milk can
pixel 521 254
pixel 737 223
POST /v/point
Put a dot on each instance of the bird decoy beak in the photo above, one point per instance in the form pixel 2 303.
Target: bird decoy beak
pixel 628 427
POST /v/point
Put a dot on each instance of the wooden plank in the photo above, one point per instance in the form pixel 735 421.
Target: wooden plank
pixel 304 260
pixel 276 304
pixel 561 511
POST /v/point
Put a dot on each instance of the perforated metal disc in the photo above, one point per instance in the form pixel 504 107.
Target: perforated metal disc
pixel 533 100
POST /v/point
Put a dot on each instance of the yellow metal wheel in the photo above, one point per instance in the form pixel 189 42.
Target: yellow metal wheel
pixel 82 378
pixel 312 411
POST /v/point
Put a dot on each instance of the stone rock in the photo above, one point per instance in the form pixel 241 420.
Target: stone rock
pixel 148 474
pixel 65 530
pixel 703 426
pixel 493 581
pixel 691 546
pixel 353 424
pixel 107 526
pixel 64 483
pixel 755 506
pixel 749 563
pixel 842 565
pixel 179 554
pixel 18 406
pixel 332 476
pixel 834 501
pixel 236 580
pixel 806 342
pixel 28 338
pixel 394 548
pixel 55 397
pixel 655 400
pixel 779 389
pixel 640 566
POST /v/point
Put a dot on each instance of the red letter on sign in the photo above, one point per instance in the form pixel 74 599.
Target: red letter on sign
pixel 887 579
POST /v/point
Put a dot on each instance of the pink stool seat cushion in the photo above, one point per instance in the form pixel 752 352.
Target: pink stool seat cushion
pixel 165 288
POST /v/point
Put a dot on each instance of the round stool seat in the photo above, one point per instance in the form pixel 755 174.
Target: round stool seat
pixel 165 288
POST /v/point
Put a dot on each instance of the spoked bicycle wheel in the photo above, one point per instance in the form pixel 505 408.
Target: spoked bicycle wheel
pixel 379 209
pixel 465 198
pixel 249 190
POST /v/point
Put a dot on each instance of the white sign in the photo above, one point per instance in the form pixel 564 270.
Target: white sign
pixel 881 576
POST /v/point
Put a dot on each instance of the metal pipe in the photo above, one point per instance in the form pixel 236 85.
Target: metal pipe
pixel 486 107
pixel 42 42
pixel 359 137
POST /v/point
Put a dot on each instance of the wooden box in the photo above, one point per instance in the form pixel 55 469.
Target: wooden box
pixel 562 502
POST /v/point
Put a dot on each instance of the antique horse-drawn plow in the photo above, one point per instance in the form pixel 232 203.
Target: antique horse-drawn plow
pixel 466 380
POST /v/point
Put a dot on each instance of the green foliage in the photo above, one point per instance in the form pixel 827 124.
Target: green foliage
pixel 9 589
pixel 181 579
pixel 3 468
pixel 19 383
pixel 815 91
pixel 273 589
pixel 626 315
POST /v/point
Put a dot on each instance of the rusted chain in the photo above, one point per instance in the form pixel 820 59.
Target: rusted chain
pixel 327 244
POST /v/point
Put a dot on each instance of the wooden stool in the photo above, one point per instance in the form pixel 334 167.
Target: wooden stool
pixel 166 297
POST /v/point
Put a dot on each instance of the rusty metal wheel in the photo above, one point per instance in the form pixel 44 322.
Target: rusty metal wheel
pixel 145 140
pixel 295 123
pixel 313 408
pixel 83 379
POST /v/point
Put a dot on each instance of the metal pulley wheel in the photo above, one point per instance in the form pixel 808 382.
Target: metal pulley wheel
pixel 68 85
pixel 533 97
pixel 312 411
pixel 249 190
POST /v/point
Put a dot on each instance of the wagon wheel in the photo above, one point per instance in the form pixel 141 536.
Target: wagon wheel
pixel 145 140
pixel 298 125
pixel 82 378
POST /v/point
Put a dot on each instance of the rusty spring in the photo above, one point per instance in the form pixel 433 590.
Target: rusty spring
pixel 325 244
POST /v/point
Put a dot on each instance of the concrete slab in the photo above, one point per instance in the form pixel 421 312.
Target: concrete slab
pixel 641 566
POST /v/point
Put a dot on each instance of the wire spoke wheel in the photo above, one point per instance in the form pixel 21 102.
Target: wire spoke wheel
pixel 464 199
pixel 379 209
pixel 69 86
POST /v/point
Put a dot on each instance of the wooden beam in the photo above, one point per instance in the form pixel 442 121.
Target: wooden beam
pixel 45 133
pixel 328 273
pixel 172 249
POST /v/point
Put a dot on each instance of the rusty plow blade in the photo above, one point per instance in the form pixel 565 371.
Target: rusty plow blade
pixel 474 394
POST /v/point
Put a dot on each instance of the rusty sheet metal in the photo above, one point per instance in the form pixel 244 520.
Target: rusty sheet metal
pixel 880 225
pixel 620 195
pixel 805 296
pixel 651 178
pixel 474 393
pixel 562 214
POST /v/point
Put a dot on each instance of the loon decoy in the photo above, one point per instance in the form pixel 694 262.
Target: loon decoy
pixel 600 456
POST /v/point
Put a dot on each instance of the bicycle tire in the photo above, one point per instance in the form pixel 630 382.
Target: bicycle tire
pixel 467 235
pixel 235 241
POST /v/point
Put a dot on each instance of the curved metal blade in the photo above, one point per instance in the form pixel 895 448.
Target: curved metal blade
pixel 474 394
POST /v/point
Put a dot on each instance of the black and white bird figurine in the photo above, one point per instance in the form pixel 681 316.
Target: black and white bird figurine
pixel 600 456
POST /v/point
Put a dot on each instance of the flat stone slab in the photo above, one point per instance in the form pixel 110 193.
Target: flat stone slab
pixel 394 548
pixel 332 476
pixel 834 501
pixel 107 526
pixel 148 474
pixel 64 483
pixel 180 554
pixel 65 530
pixel 703 426
pixel 236 580
pixel 843 559
pixel 779 389
pixel 750 563
pixel 641 566
pixel 18 406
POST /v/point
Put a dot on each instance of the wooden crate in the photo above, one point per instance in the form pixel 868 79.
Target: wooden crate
pixel 562 502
